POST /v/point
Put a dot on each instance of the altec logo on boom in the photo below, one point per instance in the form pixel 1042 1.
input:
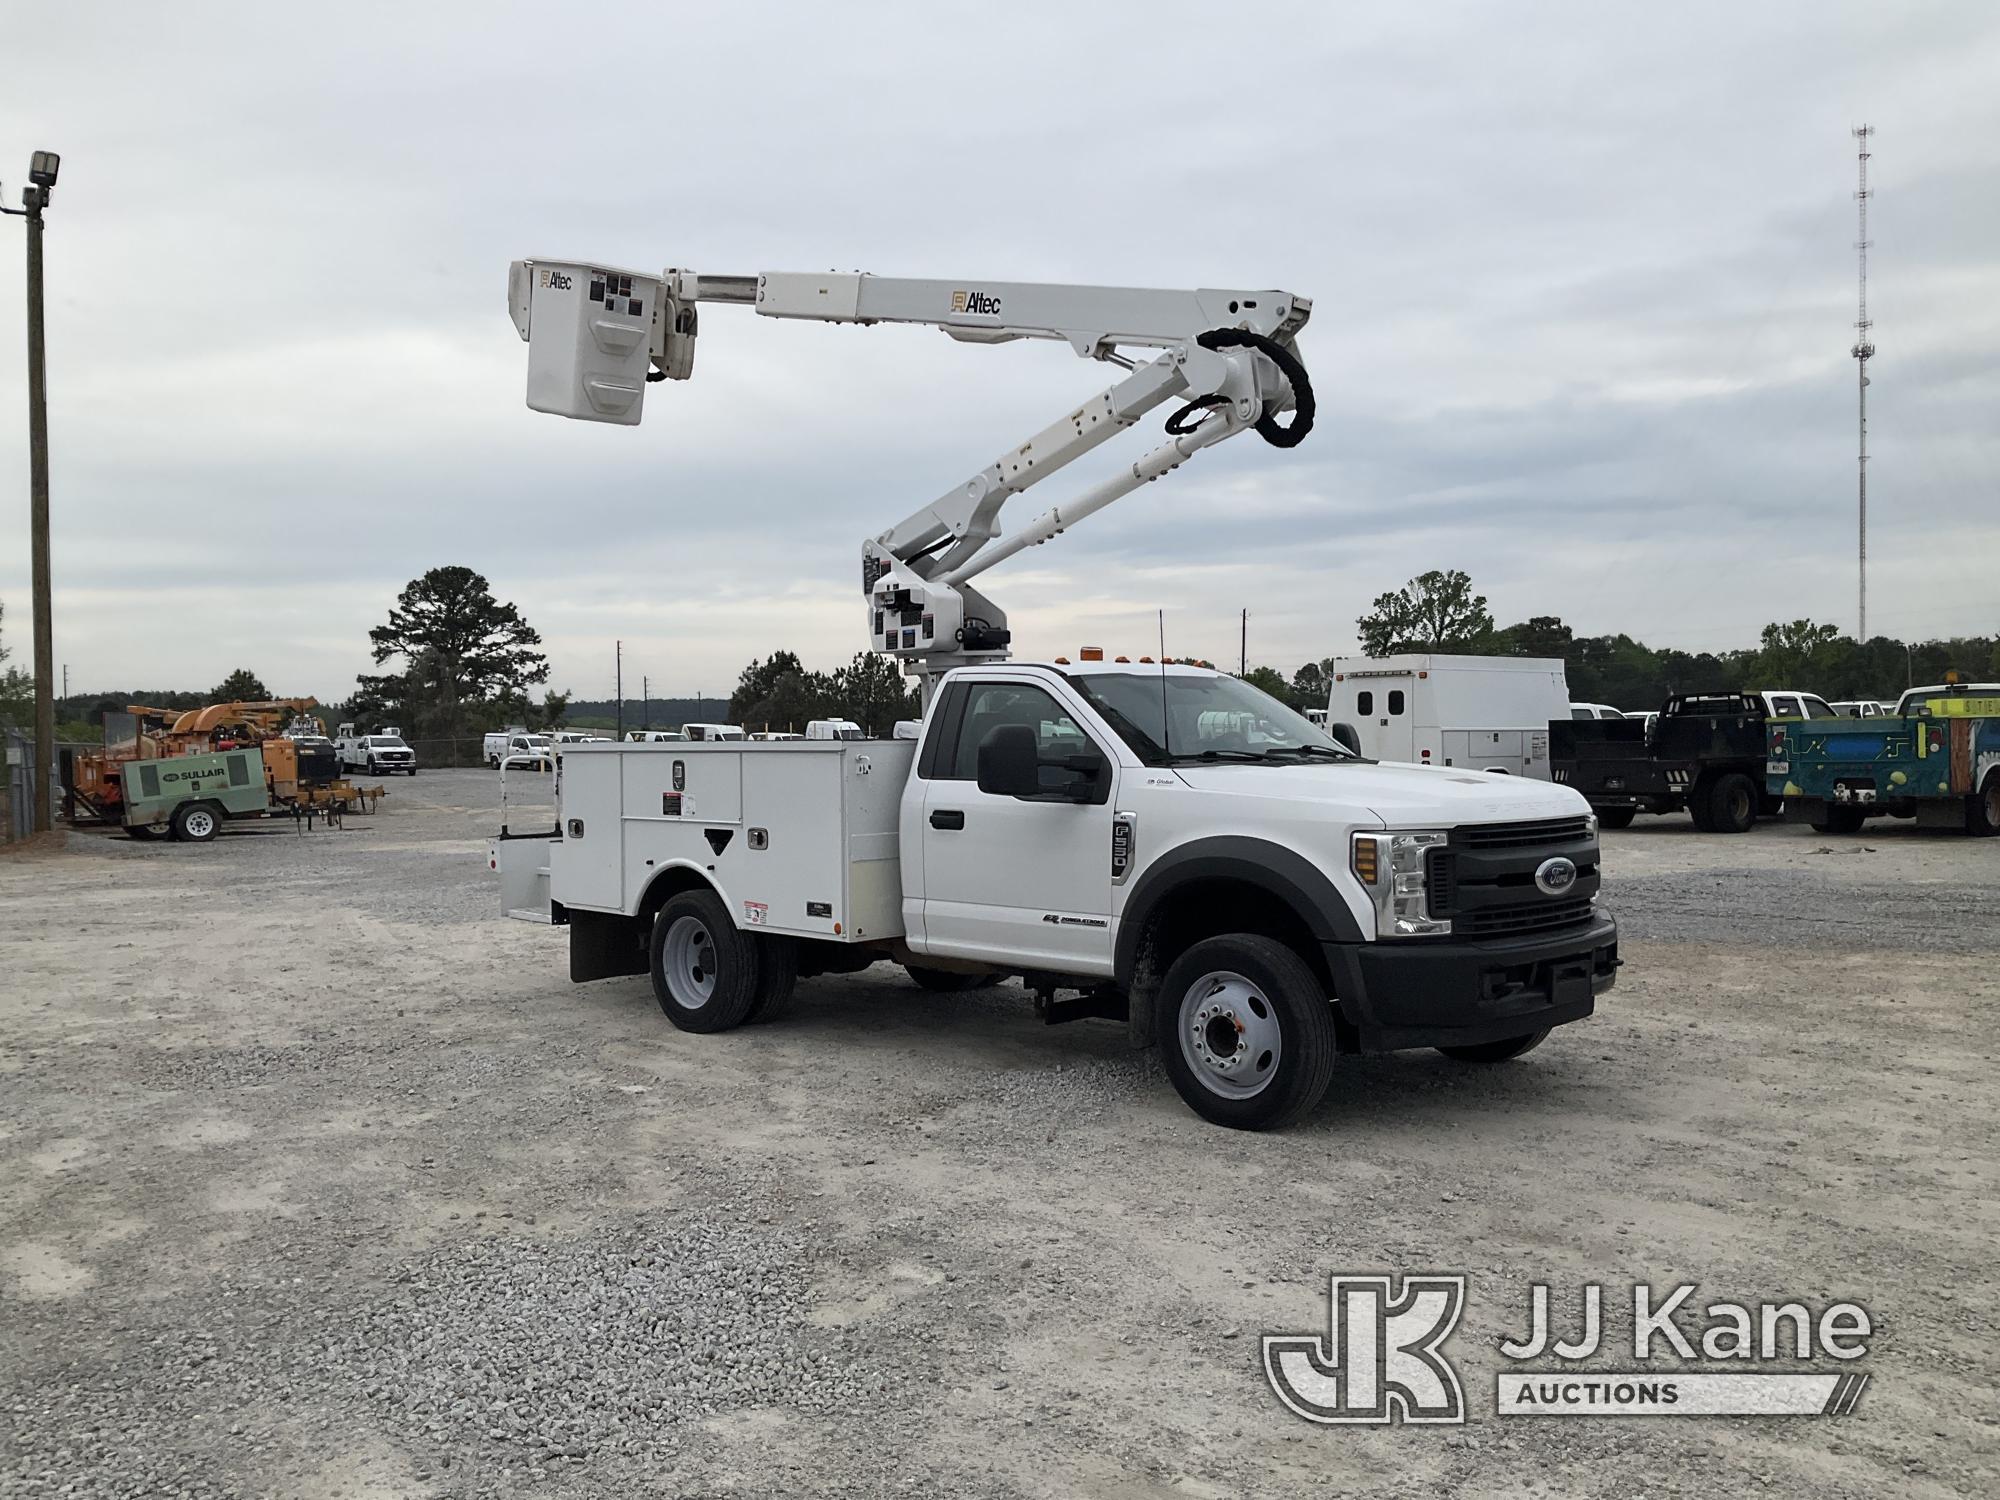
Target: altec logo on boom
pixel 978 304
pixel 1382 1358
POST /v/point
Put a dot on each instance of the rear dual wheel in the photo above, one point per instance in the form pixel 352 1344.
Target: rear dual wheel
pixel 708 974
pixel 1617 817
pixel 1982 810
pixel 1840 817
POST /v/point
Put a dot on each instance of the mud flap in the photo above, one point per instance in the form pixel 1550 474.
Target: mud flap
pixel 605 945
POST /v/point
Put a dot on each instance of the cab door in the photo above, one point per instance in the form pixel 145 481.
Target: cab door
pixel 1014 880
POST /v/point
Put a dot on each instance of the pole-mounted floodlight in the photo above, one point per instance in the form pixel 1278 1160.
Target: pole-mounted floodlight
pixel 42 169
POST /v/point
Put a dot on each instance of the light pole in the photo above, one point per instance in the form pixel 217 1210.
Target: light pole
pixel 42 167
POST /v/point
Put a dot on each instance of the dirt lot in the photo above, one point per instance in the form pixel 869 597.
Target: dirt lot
pixel 320 1179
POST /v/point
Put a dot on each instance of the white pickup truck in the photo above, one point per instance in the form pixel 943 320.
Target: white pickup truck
pixel 1170 845
pixel 501 743
pixel 377 754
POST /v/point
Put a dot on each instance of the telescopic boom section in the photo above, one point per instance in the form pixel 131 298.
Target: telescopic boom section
pixel 596 336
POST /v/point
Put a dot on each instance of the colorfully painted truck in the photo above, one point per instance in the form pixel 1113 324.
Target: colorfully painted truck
pixel 1936 759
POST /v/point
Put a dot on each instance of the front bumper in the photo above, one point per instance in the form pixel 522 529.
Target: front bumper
pixel 1423 993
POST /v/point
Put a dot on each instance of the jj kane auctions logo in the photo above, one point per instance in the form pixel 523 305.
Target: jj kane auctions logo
pixel 1382 1360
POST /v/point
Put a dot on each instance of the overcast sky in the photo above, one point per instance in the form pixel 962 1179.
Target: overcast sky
pixel 1583 282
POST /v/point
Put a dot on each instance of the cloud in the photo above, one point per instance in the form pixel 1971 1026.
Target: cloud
pixel 1582 278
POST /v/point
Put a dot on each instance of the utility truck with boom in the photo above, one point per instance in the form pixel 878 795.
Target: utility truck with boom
pixel 1162 845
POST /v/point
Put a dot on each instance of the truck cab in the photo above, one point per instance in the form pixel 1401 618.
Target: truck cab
pixel 1180 850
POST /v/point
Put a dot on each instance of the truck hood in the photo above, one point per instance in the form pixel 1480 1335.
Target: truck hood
pixel 1402 796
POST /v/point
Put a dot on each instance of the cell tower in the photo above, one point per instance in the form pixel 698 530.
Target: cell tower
pixel 1863 351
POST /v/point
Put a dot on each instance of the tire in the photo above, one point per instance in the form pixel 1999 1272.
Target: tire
pixel 413 770
pixel 1839 818
pixel 705 971
pixel 145 833
pixel 1732 803
pixel 1617 817
pixel 777 977
pixel 1697 807
pixel 1245 1031
pixel 1496 1052
pixel 371 767
pixel 943 981
pixel 1982 810
pixel 195 822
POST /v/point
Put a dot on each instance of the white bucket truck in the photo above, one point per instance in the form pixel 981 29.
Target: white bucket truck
pixel 1161 845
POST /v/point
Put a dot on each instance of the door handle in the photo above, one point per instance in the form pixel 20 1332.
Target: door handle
pixel 947 817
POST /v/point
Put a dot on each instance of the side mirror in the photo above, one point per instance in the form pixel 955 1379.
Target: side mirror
pixel 1010 762
pixel 1345 734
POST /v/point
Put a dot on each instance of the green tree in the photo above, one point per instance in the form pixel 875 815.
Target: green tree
pixel 759 680
pixel 240 686
pixel 1792 654
pixel 1436 611
pixel 795 699
pixel 17 688
pixel 459 645
pixel 870 690
pixel 1272 681
pixel 1312 684
pixel 1542 635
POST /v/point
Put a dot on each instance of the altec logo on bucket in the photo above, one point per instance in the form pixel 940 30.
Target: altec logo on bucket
pixel 1382 1359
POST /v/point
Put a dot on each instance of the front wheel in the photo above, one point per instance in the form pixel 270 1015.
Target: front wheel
pixel 1245 1032
pixel 371 767
pixel 705 970
pixel 1617 817
pixel 1496 1052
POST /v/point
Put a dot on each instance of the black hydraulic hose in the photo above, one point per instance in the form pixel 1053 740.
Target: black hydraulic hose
pixel 1267 425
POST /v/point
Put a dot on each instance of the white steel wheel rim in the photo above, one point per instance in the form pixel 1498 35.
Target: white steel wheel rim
pixel 1230 1036
pixel 200 823
pixel 688 960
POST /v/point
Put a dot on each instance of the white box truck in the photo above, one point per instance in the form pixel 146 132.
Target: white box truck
pixel 1477 713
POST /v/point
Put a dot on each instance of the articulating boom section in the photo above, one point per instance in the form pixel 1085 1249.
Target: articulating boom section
pixel 597 336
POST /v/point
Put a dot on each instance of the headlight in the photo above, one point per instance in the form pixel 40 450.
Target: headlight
pixel 1590 824
pixel 1393 869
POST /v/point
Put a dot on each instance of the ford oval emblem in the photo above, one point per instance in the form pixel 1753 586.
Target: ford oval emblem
pixel 1554 876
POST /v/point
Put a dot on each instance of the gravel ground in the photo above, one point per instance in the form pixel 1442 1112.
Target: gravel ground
pixel 320 1180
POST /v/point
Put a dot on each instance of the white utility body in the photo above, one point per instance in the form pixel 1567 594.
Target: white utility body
pixel 1478 713
pixel 1166 844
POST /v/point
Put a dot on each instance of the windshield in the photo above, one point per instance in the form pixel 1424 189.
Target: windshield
pixel 1202 718
pixel 389 742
